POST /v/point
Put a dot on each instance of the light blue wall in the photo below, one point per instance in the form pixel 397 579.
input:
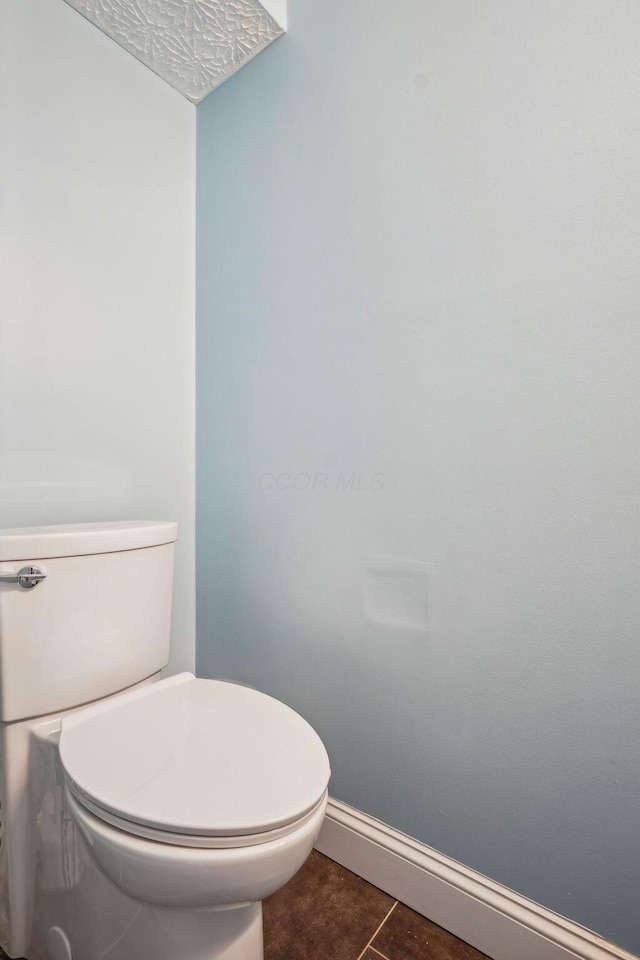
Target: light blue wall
pixel 419 263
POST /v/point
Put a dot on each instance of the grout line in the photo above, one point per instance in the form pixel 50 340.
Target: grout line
pixel 377 932
pixel 378 952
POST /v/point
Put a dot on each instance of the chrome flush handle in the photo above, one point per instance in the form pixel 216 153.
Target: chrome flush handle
pixel 26 578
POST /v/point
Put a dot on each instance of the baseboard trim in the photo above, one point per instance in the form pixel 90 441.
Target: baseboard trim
pixel 493 918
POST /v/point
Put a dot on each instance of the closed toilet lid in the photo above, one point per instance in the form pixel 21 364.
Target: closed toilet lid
pixel 195 757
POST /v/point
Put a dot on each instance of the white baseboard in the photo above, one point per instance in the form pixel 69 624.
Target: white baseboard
pixel 494 919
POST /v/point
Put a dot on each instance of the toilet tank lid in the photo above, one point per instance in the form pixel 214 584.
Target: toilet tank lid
pixel 81 539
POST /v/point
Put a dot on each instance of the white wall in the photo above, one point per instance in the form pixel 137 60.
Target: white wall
pixel 97 260
pixel 419 253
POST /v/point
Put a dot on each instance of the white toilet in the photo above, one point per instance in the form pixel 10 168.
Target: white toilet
pixel 140 817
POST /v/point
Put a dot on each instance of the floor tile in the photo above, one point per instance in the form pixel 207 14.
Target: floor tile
pixel 324 913
pixel 408 936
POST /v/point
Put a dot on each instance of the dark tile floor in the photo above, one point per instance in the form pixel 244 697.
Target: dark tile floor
pixel 328 913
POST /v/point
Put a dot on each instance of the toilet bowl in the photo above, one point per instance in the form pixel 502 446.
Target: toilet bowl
pixel 195 794
pixel 166 875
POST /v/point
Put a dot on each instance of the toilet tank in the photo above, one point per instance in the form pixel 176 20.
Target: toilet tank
pixel 98 622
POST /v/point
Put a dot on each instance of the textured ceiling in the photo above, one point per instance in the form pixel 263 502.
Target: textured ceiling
pixel 192 44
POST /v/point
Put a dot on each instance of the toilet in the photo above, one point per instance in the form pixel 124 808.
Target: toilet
pixel 141 817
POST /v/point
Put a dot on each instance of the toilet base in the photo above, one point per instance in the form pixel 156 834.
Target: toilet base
pixel 244 934
pixel 231 934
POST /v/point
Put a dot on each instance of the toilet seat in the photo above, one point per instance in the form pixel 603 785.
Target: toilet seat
pixel 189 840
pixel 195 762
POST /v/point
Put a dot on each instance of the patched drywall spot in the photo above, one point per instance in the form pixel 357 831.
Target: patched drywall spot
pixel 192 44
pixel 394 592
